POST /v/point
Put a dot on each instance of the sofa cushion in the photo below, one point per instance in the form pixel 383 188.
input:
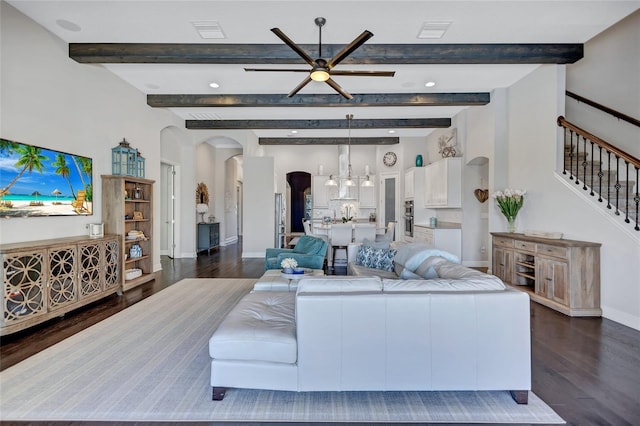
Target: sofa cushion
pixel 377 258
pixel 261 327
pixel 491 283
pixel 339 284
pixel 363 271
pixel 308 245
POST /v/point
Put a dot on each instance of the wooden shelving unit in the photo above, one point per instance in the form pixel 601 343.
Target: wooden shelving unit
pixel 127 205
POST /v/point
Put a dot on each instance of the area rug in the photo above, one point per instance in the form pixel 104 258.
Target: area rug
pixel 150 362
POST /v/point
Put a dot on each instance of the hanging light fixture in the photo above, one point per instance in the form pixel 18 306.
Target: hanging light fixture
pixel 349 181
pixel 367 182
pixel 331 181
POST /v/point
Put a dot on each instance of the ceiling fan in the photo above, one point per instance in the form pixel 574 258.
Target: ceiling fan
pixel 321 69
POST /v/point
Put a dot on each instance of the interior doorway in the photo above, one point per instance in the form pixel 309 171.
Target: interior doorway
pixel 300 185
pixel 389 206
pixel 167 209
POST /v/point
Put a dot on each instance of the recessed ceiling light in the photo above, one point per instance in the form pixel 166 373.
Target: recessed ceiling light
pixel 214 85
pixel 209 29
pixel 433 29
pixel 294 132
pixel 392 131
pixel 68 25
pixel 430 84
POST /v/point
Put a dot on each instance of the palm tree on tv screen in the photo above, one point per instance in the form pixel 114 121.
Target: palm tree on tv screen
pixel 30 159
pixel 62 169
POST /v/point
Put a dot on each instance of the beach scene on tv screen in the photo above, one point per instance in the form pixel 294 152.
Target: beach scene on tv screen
pixel 37 181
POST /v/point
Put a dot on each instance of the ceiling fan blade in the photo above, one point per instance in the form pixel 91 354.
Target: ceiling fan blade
pixel 275 69
pixel 293 46
pixel 339 89
pixel 300 86
pixel 359 41
pixel 364 73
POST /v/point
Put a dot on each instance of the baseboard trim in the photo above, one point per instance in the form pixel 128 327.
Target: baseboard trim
pixel 230 240
pixel 253 254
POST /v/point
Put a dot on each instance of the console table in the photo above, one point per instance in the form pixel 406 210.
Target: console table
pixel 208 236
pixel 561 274
pixel 47 278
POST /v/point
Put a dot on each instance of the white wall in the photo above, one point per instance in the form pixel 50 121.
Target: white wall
pixel 608 74
pixel 259 206
pixel 51 101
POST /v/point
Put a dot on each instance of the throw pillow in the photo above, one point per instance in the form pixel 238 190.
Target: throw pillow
pixel 376 258
pixel 427 270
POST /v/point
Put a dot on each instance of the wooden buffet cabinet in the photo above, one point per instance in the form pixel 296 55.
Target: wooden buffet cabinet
pixel 45 279
pixel 127 205
pixel 561 274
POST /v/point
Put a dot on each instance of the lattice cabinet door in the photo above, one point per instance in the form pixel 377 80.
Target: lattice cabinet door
pixel 90 277
pixel 62 283
pixel 23 293
pixel 112 266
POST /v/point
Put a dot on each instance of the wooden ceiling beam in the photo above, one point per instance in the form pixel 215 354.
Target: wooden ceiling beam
pixel 400 123
pixel 201 53
pixel 319 100
pixel 328 141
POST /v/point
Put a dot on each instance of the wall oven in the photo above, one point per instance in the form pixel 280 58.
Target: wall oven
pixel 408 218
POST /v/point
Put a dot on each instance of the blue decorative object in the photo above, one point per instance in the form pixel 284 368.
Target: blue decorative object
pixel 135 251
pixel 124 159
pixel 139 165
pixel 419 160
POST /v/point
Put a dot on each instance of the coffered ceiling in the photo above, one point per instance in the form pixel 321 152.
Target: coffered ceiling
pixel 158 47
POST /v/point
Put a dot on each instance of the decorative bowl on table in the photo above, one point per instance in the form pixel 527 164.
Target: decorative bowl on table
pixel 287 270
pixel 298 271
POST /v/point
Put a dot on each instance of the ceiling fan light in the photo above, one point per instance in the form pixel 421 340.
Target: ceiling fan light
pixel 319 75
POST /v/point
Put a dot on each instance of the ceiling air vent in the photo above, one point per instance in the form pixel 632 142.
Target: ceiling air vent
pixel 434 29
pixel 209 29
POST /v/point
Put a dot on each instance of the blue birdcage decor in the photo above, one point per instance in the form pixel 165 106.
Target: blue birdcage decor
pixel 124 159
pixel 139 164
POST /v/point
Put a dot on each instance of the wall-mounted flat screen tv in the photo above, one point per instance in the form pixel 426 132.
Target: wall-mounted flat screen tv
pixel 38 181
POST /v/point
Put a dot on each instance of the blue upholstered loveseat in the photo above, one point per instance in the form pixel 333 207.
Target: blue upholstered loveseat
pixel 309 252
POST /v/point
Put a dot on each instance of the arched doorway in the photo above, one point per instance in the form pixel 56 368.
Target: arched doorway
pixel 300 187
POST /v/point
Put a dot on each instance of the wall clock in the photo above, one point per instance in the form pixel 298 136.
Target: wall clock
pixel 389 159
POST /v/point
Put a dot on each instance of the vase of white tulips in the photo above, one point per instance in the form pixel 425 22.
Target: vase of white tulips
pixel 510 202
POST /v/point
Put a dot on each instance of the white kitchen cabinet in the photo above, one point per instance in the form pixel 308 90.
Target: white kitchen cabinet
pixel 443 183
pixel 409 184
pixel 443 237
pixel 321 194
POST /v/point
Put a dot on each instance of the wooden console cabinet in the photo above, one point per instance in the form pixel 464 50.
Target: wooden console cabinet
pixel 561 274
pixel 45 279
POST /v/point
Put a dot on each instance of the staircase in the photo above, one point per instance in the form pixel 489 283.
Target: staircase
pixel 607 173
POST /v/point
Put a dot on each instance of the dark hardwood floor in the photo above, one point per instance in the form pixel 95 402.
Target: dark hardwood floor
pixel 586 369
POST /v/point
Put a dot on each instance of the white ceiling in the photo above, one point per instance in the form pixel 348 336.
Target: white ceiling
pixel 390 21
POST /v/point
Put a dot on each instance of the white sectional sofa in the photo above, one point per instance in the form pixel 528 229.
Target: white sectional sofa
pixel 342 333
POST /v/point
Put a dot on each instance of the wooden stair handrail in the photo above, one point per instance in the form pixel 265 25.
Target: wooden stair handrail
pixel 606 145
pixel 606 109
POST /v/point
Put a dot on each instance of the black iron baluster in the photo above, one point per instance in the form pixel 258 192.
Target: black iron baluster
pixel 564 152
pixel 626 216
pixel 636 199
pixel 600 174
pixel 617 186
pixel 570 154
pixel 577 156
pixel 584 164
pixel 608 179
pixel 592 161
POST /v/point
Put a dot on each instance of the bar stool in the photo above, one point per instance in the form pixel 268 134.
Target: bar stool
pixel 340 239
pixel 364 231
